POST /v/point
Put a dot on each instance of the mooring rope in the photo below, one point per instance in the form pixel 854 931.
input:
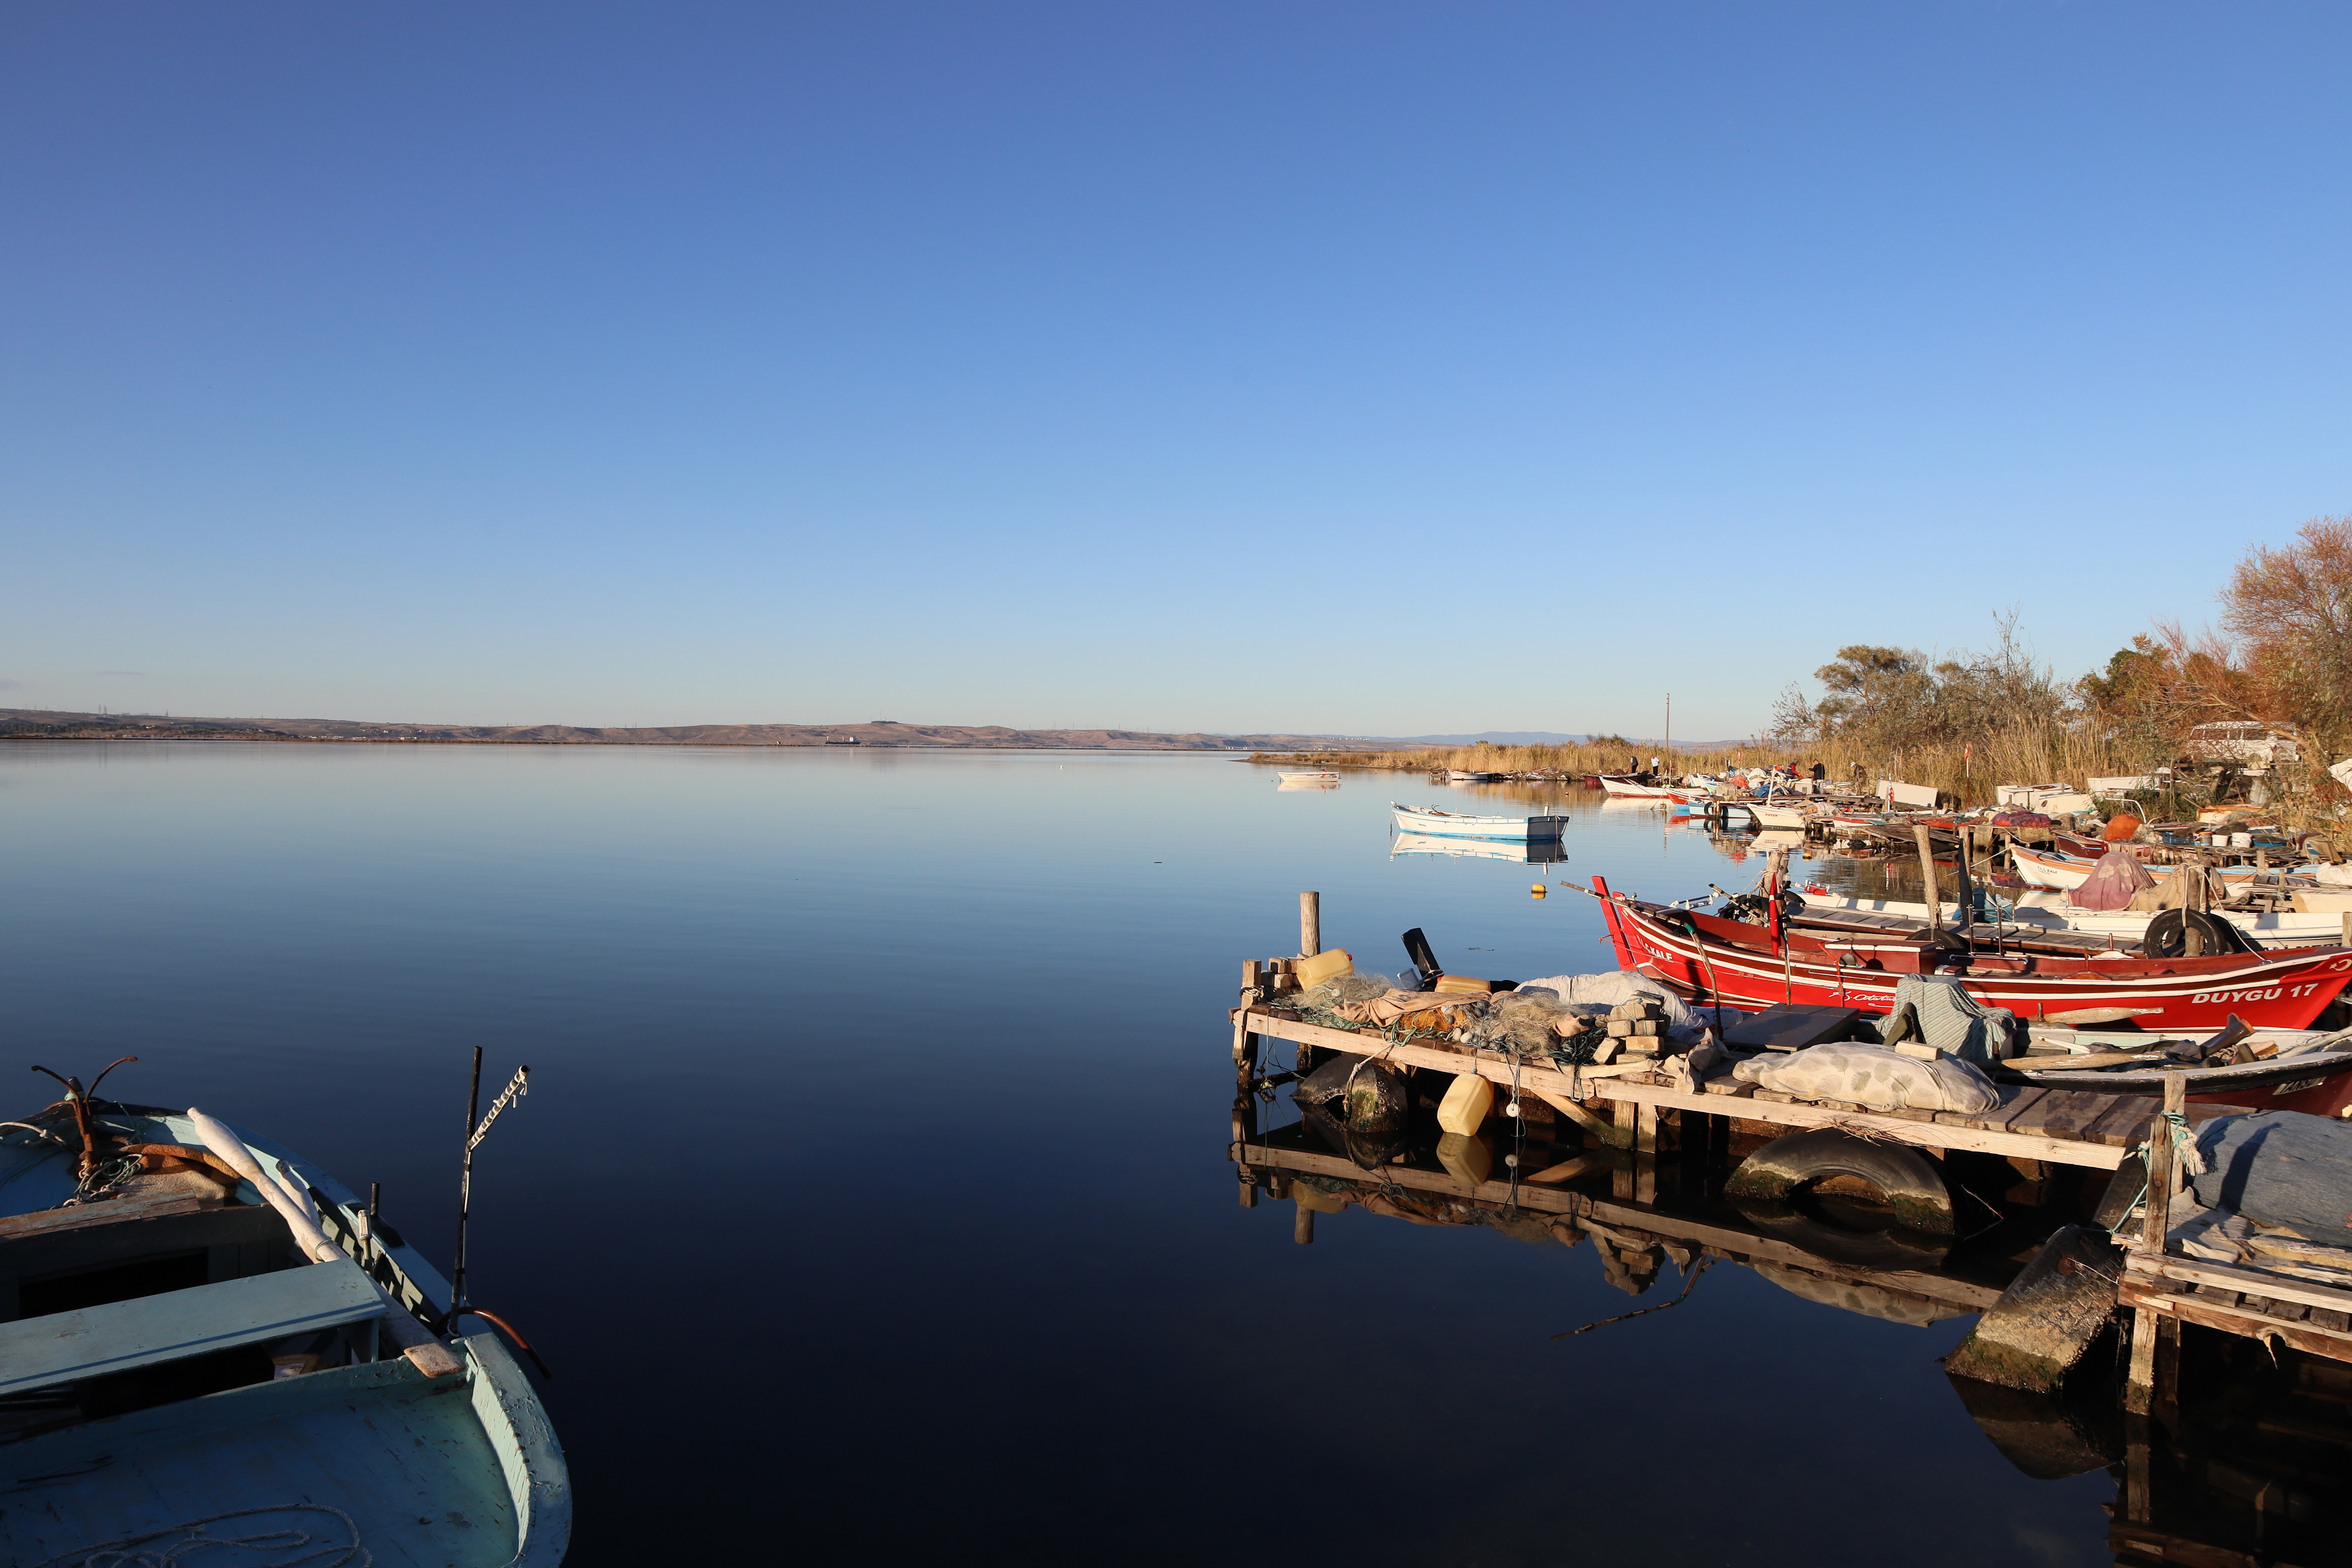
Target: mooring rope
pixel 2185 1156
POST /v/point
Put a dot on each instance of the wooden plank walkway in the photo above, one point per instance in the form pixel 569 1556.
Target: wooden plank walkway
pixel 2068 1127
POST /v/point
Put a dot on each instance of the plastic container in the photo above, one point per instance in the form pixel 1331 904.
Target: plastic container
pixel 1313 971
pixel 1464 1109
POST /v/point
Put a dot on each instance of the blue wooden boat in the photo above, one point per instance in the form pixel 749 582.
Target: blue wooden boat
pixel 188 1359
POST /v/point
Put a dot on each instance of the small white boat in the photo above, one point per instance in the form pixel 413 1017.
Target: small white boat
pixel 1777 814
pixel 1625 786
pixel 1309 778
pixel 1436 824
pixel 2046 869
pixel 1464 775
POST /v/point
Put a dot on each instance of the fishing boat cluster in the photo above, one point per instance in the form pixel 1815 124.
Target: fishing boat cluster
pixel 2091 1081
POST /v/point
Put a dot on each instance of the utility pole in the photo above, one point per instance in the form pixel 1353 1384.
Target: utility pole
pixel 1670 723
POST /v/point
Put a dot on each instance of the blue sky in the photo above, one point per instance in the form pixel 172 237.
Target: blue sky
pixel 1361 368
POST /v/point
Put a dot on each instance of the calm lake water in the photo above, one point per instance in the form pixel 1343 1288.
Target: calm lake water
pixel 871 1200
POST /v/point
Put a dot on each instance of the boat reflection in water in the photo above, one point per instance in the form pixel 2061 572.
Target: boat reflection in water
pixel 1305 780
pixel 2247 1459
pixel 1527 852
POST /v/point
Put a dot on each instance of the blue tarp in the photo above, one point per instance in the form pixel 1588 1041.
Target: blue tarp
pixel 2281 1167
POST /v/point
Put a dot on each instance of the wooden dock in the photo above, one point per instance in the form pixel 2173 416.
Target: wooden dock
pixel 2066 1127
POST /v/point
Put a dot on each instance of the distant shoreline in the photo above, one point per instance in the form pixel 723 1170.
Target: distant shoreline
pixel 36 724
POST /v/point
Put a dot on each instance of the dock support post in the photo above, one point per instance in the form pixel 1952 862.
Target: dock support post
pixel 1302 1228
pixel 1310 924
pixel 2168 1369
pixel 2137 1501
pixel 1928 870
pixel 2155 1226
pixel 2348 928
pixel 2140 1385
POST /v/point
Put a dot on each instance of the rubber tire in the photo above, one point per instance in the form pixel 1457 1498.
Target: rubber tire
pixel 2168 934
pixel 1917 1194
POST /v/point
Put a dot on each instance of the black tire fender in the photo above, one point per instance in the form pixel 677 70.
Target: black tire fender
pixel 2168 934
pixel 1917 1194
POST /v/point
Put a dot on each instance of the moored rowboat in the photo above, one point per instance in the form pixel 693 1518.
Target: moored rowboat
pixel 1625 786
pixel 191 1360
pixel 1456 825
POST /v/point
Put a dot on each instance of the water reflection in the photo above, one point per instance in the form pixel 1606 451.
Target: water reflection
pixel 2249 1460
pixel 1535 852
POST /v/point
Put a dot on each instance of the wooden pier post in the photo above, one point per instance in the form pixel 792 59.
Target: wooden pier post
pixel 2155 1225
pixel 1964 914
pixel 1310 924
pixel 1928 870
pixel 1302 1228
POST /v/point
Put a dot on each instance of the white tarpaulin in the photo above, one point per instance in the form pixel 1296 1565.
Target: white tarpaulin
pixel 1622 985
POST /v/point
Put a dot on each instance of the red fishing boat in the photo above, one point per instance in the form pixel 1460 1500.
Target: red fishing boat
pixel 1849 962
pixel 1833 958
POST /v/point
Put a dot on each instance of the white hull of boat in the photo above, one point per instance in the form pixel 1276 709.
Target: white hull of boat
pixel 2126 926
pixel 2040 869
pixel 1452 825
pixel 1309 778
pixel 1626 789
pixel 1772 814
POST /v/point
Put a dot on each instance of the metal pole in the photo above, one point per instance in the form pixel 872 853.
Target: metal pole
pixel 466 1188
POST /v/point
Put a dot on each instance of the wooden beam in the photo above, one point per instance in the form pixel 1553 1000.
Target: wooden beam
pixel 2244 1322
pixel 1567 1170
pixel 2229 1276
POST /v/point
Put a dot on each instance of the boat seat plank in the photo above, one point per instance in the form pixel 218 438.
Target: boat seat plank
pixel 119 1211
pixel 119 1335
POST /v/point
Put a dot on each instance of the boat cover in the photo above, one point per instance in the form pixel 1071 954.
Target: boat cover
pixel 1623 985
pixel 2114 881
pixel 2281 1167
pixel 1953 1021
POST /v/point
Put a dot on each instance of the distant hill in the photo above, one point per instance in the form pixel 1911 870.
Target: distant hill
pixel 35 723
pixel 1499 737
